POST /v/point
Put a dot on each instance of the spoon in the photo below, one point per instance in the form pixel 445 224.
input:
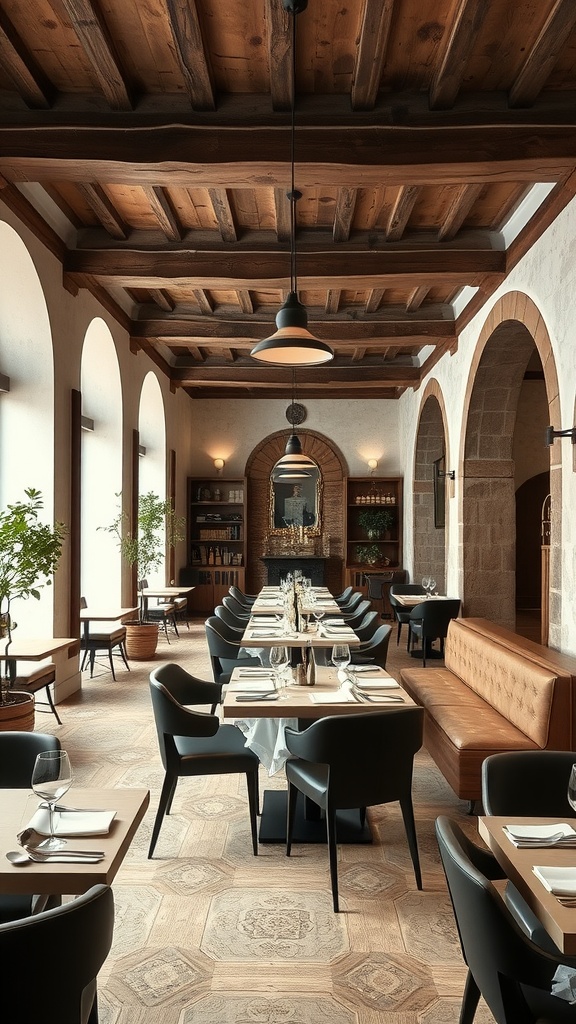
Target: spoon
pixel 20 857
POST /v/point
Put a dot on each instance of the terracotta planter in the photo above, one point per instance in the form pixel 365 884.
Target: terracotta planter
pixel 18 716
pixel 141 640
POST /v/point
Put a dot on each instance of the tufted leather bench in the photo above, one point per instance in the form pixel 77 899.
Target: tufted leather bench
pixel 495 692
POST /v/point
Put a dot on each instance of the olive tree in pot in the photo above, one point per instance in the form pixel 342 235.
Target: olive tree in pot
pixel 29 553
pixel 157 526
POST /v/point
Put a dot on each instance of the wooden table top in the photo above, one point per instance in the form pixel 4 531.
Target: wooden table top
pixel 411 600
pixel 36 649
pixel 18 806
pixel 559 921
pixel 106 615
pixel 252 637
pixel 166 591
pixel 300 703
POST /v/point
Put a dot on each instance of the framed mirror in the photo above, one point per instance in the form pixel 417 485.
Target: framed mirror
pixel 296 503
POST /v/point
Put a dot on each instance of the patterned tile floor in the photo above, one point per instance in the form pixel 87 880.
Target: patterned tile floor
pixel 208 934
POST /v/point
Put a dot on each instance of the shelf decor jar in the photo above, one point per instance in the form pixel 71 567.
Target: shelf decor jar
pixel 375 521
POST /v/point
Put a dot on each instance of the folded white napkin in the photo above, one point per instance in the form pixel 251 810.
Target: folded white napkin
pixel 528 835
pixel 560 881
pixel 370 668
pixel 378 683
pixel 261 685
pixel 72 823
pixel 251 672
pixel 336 697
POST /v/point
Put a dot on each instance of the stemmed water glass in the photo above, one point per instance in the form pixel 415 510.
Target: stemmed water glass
pixel 425 584
pixel 341 657
pixel 51 779
pixel 431 585
pixel 572 788
pixel 279 661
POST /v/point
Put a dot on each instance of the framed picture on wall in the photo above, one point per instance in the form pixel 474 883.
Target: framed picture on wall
pixel 439 492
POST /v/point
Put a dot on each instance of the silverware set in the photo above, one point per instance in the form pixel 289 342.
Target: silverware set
pixel 557 839
pixel 374 698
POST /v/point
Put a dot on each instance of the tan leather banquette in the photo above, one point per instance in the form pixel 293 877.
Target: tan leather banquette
pixel 496 692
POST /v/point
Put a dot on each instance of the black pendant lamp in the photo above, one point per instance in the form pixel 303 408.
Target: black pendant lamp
pixel 293 344
pixel 294 460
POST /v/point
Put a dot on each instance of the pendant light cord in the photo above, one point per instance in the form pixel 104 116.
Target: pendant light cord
pixel 293 195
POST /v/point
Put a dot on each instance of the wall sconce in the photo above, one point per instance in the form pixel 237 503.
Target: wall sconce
pixel 551 434
pixel 219 465
pixel 141 450
pixel 87 423
pixel 372 465
pixel 4 382
pixel 449 475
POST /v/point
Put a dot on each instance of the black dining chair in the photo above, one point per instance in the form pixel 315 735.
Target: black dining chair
pixel 366 629
pixel 225 651
pixel 237 609
pixel 231 621
pixel 374 650
pixel 33 677
pixel 399 611
pixel 429 621
pixel 18 752
pixel 345 596
pixel 195 743
pixel 161 611
pixel 107 638
pixel 355 617
pixel 378 585
pixel 511 973
pixel 348 761
pixel 528 782
pixel 351 606
pixel 246 599
pixel 68 945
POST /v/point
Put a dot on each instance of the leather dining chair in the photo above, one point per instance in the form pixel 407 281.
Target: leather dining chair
pixel 429 621
pixel 68 946
pixel 107 638
pixel 374 650
pixel 225 651
pixel 245 599
pixel 528 782
pixel 32 677
pixel 348 761
pixel 345 596
pixel 401 612
pixel 367 627
pixel 350 607
pixel 18 752
pixel 228 617
pixel 195 743
pixel 237 609
pixel 163 612
pixel 511 973
pixel 378 585
pixel 355 617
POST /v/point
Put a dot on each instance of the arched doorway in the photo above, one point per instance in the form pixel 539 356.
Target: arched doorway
pixel 430 456
pixel 510 391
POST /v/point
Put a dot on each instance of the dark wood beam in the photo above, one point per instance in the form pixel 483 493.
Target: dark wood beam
pixel 344 213
pixel 540 62
pixel 162 210
pixel 282 208
pixel 354 157
pixel 318 391
pixel 161 297
pixel 245 300
pixel 333 300
pixel 96 41
pixel 279 55
pixel 191 53
pixel 205 303
pixel 462 202
pixel 416 299
pixel 29 79
pixel 447 80
pixel 371 53
pixel 206 331
pixel 104 209
pixel 374 300
pixel 223 213
pixel 337 372
pixel 400 212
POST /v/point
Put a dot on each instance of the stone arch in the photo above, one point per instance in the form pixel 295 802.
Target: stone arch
pixel 334 471
pixel 429 555
pixel 512 329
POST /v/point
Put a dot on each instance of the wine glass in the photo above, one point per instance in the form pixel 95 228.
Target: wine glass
pixel 431 585
pixel 318 614
pixel 51 779
pixel 425 584
pixel 279 661
pixel 341 659
pixel 572 788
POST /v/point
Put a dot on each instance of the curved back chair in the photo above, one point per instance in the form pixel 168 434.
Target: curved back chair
pixel 429 621
pixel 186 688
pixel 400 613
pixel 347 761
pixel 163 612
pixel 367 626
pixel 378 585
pixel 350 606
pixel 18 751
pixel 374 650
pixel 246 599
pixel 240 611
pixel 107 637
pixel 528 782
pixel 194 743
pixel 76 938
pixel 358 614
pixel 230 620
pixel 345 596
pixel 225 653
pixel 510 972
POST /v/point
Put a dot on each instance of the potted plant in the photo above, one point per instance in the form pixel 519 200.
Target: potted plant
pixel 29 553
pixel 368 554
pixel 157 523
pixel 375 521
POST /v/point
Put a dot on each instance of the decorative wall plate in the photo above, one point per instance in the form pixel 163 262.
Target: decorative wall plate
pixel 296 414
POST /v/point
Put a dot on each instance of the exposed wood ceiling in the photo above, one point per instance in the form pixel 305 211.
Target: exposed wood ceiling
pixel 147 142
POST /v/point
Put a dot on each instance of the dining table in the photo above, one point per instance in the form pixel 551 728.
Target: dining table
pixel 518 863
pixel 34 649
pixel 88 615
pixel 18 807
pixel 263 721
pixel 164 593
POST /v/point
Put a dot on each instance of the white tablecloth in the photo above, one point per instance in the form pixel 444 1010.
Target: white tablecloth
pixel 265 736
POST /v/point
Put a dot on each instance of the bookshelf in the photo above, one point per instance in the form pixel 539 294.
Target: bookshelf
pixel 216 539
pixel 373 547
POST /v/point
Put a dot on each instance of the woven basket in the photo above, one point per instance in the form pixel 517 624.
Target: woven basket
pixel 18 716
pixel 141 640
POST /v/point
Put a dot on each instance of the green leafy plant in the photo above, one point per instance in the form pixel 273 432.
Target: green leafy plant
pixel 157 524
pixel 368 554
pixel 376 520
pixel 29 553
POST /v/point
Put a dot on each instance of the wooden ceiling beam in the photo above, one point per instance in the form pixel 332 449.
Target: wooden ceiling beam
pixel 29 79
pixel 374 300
pixel 104 209
pixel 459 208
pixel 353 375
pixel 245 300
pixel 162 210
pixel 162 299
pixel 540 62
pixel 339 327
pixel 279 55
pixel 447 79
pixel 369 345
pixel 191 53
pixel 98 45
pixel 282 210
pixel 416 299
pixel 223 213
pixel 204 301
pixel 371 53
pixel 344 213
pixel 319 392
pixel 333 300
pixel 353 157
pixel 400 212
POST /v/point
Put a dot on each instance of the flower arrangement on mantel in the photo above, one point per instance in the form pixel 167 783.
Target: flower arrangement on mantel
pixel 29 553
pixel 375 520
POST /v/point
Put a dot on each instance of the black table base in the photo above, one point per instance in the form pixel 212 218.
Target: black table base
pixel 309 827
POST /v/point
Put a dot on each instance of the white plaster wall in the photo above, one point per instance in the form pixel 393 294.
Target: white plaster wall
pixel 230 430
pixel 548 275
